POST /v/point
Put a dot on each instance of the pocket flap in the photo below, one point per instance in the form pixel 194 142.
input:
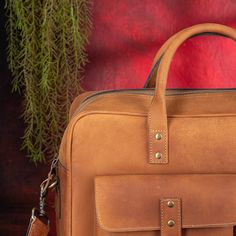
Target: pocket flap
pixel 132 202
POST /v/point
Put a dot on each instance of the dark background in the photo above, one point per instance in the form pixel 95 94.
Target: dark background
pixel 19 179
pixel 124 39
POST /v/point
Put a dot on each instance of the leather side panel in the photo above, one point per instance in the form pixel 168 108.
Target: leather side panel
pixel 63 215
pixel 64 195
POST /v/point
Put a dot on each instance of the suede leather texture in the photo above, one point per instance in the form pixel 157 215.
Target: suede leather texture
pixel 201 128
pixel 37 228
pixel 108 187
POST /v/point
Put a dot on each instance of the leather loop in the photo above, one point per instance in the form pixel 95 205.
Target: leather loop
pixel 171 217
pixel 37 227
pixel 157 116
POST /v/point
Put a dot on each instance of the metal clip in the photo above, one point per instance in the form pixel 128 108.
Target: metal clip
pixel 50 182
pixel 35 214
pixel 38 216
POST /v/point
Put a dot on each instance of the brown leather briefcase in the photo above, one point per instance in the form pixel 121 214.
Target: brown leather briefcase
pixel 148 162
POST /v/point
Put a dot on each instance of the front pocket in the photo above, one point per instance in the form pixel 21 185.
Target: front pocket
pixel 129 205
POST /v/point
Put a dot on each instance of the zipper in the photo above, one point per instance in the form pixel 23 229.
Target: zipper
pixel 150 92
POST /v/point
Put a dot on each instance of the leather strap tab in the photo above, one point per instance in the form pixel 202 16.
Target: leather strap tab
pixel 171 217
pixel 37 227
pixel 157 115
pixel 158 149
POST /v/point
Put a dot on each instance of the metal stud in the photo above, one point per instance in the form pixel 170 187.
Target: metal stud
pixel 158 136
pixel 158 155
pixel 170 204
pixel 171 223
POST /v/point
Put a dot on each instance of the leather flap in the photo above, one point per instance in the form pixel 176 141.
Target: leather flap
pixel 132 202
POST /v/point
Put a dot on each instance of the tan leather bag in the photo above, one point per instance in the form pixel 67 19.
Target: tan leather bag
pixel 150 163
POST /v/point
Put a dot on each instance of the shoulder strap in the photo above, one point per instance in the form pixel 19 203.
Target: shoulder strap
pixel 39 224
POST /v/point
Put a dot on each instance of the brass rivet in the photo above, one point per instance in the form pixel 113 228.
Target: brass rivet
pixel 170 204
pixel 171 223
pixel 158 155
pixel 158 136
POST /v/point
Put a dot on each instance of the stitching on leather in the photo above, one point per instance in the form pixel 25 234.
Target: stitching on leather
pixel 162 217
pixel 97 205
pixel 165 159
pixel 171 97
pixel 165 147
pixel 179 216
pixel 151 146
pixel 84 114
pixel 95 209
pixel 163 228
pixel 174 96
pixel 165 156
pixel 150 138
pixel 96 222
pixel 98 209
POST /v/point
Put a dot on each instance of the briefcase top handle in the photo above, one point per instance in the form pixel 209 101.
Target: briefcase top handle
pixel 151 80
pixel 157 116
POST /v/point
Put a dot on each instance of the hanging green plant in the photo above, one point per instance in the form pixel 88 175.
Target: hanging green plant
pixel 46 55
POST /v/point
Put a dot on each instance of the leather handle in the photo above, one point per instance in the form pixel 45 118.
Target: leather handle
pixel 157 116
pixel 151 80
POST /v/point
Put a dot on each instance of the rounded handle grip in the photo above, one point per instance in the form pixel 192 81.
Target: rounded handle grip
pixel 157 116
pixel 151 80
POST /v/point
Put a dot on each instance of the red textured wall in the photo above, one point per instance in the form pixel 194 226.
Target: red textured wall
pixel 127 34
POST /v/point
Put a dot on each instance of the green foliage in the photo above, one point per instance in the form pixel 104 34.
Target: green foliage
pixel 46 55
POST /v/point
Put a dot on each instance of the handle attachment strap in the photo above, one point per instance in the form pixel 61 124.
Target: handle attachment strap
pixel 157 116
pixel 39 224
